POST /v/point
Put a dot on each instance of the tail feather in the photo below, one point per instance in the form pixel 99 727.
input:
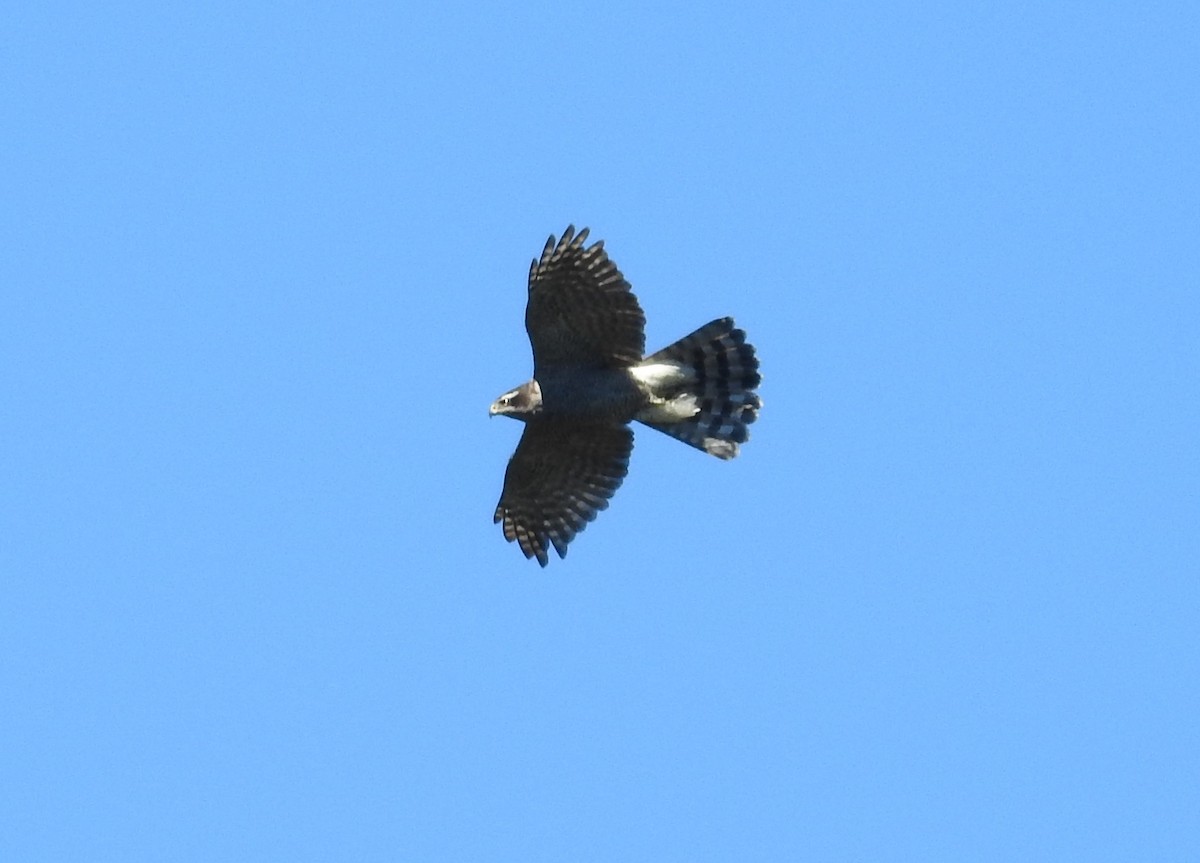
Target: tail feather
pixel 708 398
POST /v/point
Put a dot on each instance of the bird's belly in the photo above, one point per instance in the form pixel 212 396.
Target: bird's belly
pixel 592 393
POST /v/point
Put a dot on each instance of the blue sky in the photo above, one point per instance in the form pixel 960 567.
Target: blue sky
pixel 264 271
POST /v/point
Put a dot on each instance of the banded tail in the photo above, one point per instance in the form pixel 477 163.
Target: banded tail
pixel 702 388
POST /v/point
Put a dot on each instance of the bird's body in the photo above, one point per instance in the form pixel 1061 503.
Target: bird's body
pixel 584 391
pixel 591 380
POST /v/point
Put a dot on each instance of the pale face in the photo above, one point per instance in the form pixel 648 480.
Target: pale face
pixel 504 404
pixel 518 403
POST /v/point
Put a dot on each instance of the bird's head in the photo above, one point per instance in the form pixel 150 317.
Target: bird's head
pixel 519 403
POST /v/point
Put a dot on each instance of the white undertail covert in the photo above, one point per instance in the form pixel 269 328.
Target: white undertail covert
pixel 701 388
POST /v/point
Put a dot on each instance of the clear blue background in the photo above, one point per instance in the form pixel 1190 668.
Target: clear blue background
pixel 263 269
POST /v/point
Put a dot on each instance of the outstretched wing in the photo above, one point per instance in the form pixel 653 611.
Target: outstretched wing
pixel 581 311
pixel 561 475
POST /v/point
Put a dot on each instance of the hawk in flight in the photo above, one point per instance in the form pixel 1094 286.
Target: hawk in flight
pixel 590 380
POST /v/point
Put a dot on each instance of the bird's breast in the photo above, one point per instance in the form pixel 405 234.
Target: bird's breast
pixel 590 393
